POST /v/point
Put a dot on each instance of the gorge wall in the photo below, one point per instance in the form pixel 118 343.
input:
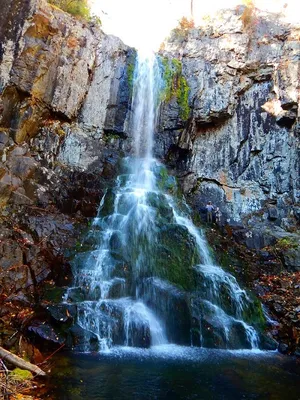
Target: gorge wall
pixel 64 104
pixel 239 147
pixel 65 97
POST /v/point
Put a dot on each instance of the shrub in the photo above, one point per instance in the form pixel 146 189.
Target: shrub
pixel 248 16
pixel 78 8
pixel 183 27
pixel 186 23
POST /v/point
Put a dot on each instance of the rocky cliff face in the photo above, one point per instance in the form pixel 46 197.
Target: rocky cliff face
pixel 64 105
pixel 239 147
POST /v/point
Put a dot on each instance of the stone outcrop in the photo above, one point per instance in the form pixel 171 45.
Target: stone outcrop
pixel 239 148
pixel 240 145
pixel 59 147
pixel 49 116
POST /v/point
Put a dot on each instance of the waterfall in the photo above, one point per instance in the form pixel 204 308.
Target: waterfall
pixel 148 277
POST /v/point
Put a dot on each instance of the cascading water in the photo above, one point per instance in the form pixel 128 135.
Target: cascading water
pixel 149 278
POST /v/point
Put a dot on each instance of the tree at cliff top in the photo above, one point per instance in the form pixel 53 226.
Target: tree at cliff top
pixel 78 8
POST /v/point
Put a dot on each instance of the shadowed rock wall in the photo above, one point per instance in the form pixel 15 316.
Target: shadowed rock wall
pixel 64 102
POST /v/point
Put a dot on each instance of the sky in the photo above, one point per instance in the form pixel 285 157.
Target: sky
pixel 146 23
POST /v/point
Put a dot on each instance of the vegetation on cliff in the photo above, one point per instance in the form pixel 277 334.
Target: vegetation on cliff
pixel 175 86
pixel 78 8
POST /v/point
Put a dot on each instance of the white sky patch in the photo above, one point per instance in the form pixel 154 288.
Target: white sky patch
pixel 146 23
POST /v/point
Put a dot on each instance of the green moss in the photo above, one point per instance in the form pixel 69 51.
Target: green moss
pixel 254 315
pixel 53 294
pixel 176 255
pixel 175 85
pixel 183 98
pixel 287 243
pixel 131 61
pixel 20 375
pixel 175 272
pixel 107 207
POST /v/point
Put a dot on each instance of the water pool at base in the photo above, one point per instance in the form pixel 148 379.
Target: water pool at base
pixel 175 372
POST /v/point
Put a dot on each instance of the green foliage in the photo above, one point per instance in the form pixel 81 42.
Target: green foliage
pixel 286 243
pixel 78 8
pixel 183 98
pixel 20 374
pixel 175 85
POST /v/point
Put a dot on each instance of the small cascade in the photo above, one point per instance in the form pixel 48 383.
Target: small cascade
pixel 146 276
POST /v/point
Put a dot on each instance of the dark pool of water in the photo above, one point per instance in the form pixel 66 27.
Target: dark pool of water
pixel 173 372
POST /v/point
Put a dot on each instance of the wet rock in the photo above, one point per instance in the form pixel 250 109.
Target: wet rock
pixel 54 294
pixel 297 352
pixel 167 299
pixel 81 339
pixel 292 258
pixel 212 333
pixel 163 211
pixel 283 348
pixel 42 332
pixel 272 213
pixel 75 295
pixel 62 313
pixel 235 146
pixel 175 256
pixel 296 212
pixel 117 289
pixel 267 342
pixel 139 334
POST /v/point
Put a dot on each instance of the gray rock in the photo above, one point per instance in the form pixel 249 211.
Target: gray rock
pixel 241 141
pixel 292 258
pixel 46 333
pixel 20 199
pixel 272 213
pixel 283 348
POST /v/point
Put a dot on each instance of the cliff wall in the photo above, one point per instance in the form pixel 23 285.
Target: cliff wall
pixel 64 105
pixel 239 146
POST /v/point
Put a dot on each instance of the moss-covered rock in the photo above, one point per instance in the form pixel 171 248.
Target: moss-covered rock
pixel 20 375
pixel 164 212
pixel 108 204
pixel 253 314
pixel 176 255
pixel 175 86
pixel 53 294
